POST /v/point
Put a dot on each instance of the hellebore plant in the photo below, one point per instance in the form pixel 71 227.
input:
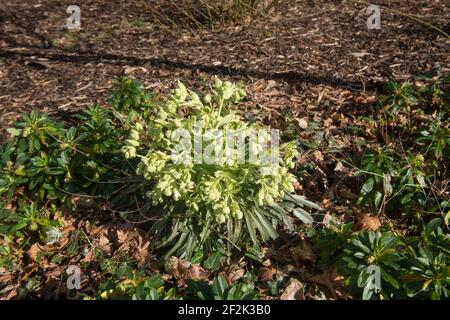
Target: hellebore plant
pixel 219 179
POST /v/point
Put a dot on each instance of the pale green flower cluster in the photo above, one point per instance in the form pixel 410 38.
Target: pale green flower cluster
pixel 129 149
pixel 224 188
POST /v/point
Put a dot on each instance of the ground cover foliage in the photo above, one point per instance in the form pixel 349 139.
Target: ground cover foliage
pixel 100 192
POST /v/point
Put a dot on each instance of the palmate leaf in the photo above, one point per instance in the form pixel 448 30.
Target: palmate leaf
pixel 260 225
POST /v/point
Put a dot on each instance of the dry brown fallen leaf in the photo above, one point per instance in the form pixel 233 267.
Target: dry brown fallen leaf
pixel 196 272
pixel 294 291
pixel 29 272
pixel 89 257
pixel 10 291
pixel 32 252
pixel 318 156
pixel 267 273
pixel 302 252
pixel 340 168
pixel 130 70
pixel 327 122
pixel 7 277
pixel 164 73
pixel 331 279
pixel 83 202
pixel 287 269
pixel 366 222
pixel 103 241
pixel 235 273
pixel 365 99
pixel 347 194
pixel 298 187
pixel 10 207
pixel 302 123
pixel 324 279
pixel 140 250
pixel 122 236
pixel 182 269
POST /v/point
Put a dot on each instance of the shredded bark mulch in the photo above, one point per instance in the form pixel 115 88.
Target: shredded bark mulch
pixel 305 56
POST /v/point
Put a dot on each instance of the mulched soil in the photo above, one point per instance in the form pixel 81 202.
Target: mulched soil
pixel 306 56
